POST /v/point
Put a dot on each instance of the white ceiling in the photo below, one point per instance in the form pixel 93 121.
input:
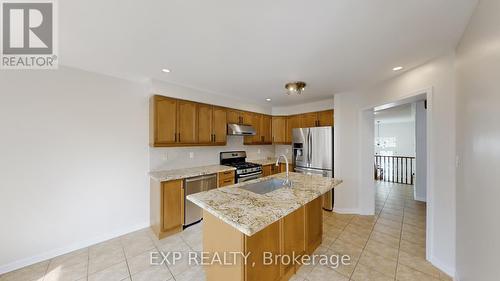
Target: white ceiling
pixel 250 49
pixel 398 114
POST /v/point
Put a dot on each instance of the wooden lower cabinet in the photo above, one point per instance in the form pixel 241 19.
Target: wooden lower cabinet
pixel 226 178
pixel 275 169
pixel 313 225
pixel 266 240
pixel 287 236
pixel 266 170
pixel 293 237
pixel 167 207
pixel 270 169
pixel 282 168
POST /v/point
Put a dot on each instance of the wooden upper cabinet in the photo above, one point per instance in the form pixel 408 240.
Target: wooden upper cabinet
pixel 325 118
pixel 212 124
pixel 288 132
pixel 295 121
pixel 175 122
pixel 248 118
pixel 279 129
pixel 205 124
pixel 187 132
pixel 266 129
pixel 262 125
pixel 233 116
pixel 219 125
pixel 254 120
pixel 239 117
pixel 308 120
pixel 163 120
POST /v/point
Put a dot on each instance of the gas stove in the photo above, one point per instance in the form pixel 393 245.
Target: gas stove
pixel 245 171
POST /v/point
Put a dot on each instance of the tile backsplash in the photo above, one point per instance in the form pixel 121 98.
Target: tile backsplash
pixel 184 157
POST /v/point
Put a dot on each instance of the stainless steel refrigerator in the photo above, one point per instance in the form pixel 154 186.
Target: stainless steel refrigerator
pixel 313 154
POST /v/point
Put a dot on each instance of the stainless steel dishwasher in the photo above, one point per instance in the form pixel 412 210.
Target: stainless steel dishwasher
pixel 193 213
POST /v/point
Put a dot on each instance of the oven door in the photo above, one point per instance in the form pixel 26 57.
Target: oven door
pixel 248 177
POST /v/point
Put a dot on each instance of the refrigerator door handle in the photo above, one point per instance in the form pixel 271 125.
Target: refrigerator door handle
pixel 311 150
pixel 309 141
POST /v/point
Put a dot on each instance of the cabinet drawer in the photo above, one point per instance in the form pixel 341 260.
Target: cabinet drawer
pixel 226 178
pixel 225 182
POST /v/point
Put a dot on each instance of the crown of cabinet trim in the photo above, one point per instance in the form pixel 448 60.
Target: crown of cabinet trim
pixel 176 122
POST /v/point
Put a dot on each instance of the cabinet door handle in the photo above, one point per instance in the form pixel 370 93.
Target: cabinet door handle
pixel 175 137
pixel 179 137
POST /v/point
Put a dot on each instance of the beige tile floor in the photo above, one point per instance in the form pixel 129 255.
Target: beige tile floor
pixel 387 246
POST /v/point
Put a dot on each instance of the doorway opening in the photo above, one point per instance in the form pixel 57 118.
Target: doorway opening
pixel 395 169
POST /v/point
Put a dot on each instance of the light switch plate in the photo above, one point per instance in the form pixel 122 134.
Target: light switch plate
pixel 191 155
pixel 258 151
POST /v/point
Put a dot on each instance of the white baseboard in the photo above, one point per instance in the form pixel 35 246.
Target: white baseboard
pixel 67 249
pixel 346 211
pixel 443 267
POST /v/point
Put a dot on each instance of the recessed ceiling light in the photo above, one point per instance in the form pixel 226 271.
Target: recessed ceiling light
pixel 268 99
pixel 397 68
pixel 166 70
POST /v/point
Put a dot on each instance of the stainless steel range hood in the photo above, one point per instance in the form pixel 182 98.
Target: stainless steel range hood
pixel 240 130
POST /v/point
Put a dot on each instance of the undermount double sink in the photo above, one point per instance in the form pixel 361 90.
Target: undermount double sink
pixel 264 187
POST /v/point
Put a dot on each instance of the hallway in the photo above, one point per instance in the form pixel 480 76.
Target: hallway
pixel 389 246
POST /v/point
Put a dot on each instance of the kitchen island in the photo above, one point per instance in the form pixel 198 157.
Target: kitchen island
pixel 284 222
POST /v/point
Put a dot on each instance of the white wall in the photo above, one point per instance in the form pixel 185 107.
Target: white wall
pixel 325 104
pixel 478 178
pixel 404 132
pixel 420 190
pixel 437 75
pixel 74 162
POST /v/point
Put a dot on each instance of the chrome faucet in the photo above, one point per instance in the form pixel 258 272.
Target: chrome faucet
pixel 287 180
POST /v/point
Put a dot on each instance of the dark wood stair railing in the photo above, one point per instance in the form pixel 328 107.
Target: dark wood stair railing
pixel 397 169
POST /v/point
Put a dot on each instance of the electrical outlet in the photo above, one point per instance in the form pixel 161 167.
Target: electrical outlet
pixel 191 155
pixel 286 151
pixel 165 155
pixel 258 151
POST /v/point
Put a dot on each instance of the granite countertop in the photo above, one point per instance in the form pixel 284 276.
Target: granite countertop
pixel 250 212
pixel 177 174
pixel 268 161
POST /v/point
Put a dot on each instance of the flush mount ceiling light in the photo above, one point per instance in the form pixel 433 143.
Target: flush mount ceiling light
pixel 295 87
pixel 165 70
pixel 268 99
pixel 397 68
